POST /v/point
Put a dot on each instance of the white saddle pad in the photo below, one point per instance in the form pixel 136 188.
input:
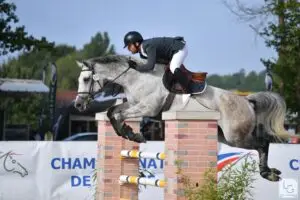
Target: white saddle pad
pixel 185 98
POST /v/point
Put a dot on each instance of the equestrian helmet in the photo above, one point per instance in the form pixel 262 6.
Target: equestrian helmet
pixel 132 37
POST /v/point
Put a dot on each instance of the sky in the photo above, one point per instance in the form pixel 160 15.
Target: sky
pixel 217 41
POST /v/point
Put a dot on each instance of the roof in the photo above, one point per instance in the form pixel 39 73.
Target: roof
pixel 22 85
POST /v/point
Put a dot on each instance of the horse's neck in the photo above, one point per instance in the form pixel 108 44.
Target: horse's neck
pixel 133 78
pixel 1 155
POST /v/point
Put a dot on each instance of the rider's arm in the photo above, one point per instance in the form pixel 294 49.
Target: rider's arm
pixel 151 54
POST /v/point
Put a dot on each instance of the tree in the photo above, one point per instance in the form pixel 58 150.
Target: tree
pixel 284 37
pixel 16 39
pixel 99 45
pixel 30 65
pixel 68 71
pixel 280 29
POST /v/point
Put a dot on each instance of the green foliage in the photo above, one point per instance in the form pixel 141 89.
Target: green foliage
pixel 16 39
pixel 284 37
pixel 19 109
pixel 68 71
pixel 252 81
pixel 29 65
pixel 98 46
pixel 234 183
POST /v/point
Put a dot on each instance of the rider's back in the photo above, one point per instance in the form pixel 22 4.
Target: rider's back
pixel 165 47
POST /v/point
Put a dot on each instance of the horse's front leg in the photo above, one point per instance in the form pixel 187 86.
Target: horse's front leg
pixel 116 124
pixel 135 111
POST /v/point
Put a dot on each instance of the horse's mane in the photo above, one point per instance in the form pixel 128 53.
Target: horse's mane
pixel 110 59
pixel 123 60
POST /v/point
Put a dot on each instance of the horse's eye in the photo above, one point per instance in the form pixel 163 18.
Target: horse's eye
pixel 86 79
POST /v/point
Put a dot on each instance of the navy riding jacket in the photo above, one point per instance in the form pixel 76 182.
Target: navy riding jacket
pixel 159 50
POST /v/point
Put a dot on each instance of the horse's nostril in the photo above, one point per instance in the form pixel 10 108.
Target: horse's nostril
pixel 77 105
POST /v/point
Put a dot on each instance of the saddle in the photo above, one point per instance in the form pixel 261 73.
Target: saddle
pixel 173 86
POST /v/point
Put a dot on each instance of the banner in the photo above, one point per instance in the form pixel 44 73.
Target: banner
pixel 47 170
pixel 152 168
pixel 284 157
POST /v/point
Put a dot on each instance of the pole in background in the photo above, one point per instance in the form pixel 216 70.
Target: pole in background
pixel 52 95
pixel 269 81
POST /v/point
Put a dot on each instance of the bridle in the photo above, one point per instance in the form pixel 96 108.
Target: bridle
pixel 95 78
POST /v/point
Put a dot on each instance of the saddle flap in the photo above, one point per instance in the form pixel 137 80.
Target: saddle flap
pixel 199 76
pixel 173 86
pixel 195 76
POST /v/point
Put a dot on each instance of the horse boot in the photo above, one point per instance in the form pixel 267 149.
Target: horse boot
pixel 189 86
pixel 136 137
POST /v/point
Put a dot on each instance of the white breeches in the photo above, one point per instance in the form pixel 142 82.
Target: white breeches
pixel 178 58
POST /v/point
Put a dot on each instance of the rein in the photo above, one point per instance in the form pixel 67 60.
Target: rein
pixel 90 93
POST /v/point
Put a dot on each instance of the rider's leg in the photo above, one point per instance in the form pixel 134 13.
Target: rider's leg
pixel 180 76
pixel 178 58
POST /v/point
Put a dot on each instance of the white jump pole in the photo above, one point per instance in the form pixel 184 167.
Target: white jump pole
pixel 141 180
pixel 140 154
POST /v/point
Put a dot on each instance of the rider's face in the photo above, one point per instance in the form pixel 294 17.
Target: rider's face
pixel 133 48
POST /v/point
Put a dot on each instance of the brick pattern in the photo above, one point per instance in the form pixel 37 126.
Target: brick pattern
pixel 110 166
pixel 194 144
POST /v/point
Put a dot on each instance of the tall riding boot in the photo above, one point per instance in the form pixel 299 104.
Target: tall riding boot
pixel 189 86
pixel 182 78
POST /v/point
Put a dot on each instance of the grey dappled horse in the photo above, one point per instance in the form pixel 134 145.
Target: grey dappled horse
pixel 250 122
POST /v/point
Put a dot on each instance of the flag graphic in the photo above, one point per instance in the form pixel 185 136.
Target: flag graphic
pixel 227 158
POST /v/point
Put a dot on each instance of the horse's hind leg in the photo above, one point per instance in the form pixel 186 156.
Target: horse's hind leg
pixel 271 174
pixel 262 146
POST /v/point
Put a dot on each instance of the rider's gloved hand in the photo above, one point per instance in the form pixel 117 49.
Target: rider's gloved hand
pixel 132 64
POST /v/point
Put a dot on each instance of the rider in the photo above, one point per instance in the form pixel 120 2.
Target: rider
pixel 165 50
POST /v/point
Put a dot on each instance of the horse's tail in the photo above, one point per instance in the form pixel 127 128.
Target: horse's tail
pixel 270 109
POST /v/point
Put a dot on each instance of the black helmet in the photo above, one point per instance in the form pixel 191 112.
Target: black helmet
pixel 132 37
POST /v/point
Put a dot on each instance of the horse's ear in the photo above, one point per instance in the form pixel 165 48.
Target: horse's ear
pixel 80 64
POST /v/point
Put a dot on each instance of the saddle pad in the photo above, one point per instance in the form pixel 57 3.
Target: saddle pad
pixel 185 98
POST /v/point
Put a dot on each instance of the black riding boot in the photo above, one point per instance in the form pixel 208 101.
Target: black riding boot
pixel 182 78
pixel 189 86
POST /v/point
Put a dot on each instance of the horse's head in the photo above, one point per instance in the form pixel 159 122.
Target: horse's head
pixel 12 165
pixel 86 84
pixel 100 72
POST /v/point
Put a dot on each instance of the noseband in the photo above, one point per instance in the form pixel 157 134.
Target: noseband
pixel 91 93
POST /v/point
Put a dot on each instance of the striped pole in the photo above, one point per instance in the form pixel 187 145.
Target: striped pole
pixel 141 180
pixel 141 154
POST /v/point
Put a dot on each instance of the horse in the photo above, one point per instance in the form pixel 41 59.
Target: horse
pixel 250 122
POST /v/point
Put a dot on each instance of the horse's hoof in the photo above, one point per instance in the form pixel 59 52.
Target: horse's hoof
pixel 270 176
pixel 275 171
pixel 139 138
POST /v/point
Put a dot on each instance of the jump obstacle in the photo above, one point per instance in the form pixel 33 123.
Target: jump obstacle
pixel 190 136
pixel 141 154
pixel 141 180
